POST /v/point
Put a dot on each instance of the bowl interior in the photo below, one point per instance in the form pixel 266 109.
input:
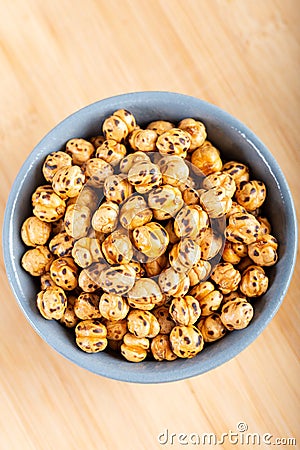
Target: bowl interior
pixel 236 142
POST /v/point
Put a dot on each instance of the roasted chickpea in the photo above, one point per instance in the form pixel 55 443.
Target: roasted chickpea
pixel 139 269
pixel 105 218
pixel 226 277
pixel 161 348
pixel 215 202
pixel 69 318
pixel 237 314
pixel 115 128
pixel 37 260
pixel 86 306
pixel 185 310
pixel 254 281
pixel 174 170
pixel 173 283
pixel 46 281
pixel 91 335
pixel 61 244
pixel 150 239
pixel 264 250
pixel 47 205
pixel 174 142
pixel 117 188
pixel 96 171
pixel 173 238
pixel 53 162
pixel 242 228
pixel 165 201
pixel 87 197
pixel 133 158
pixel 186 341
pixel 265 226
pixel 113 307
pixel 134 349
pixel 77 220
pixel 86 251
pixel 235 208
pixel 118 279
pixel 127 117
pixel 52 303
pixel 116 329
pixel 251 194
pixel 166 323
pixel 64 273
pixel 117 248
pixel 145 176
pixel 68 181
pixel 88 279
pixel 196 130
pixel 190 221
pixel 142 324
pixel 155 266
pixel 135 212
pixel 211 328
pixel 208 297
pixel 237 170
pixel 207 158
pixel 35 232
pixel 184 255
pixel 144 292
pixel 97 140
pixel 199 272
pixel 210 244
pixel 80 150
pixel 220 179
pixel 111 151
pixel 160 126
pixel 143 140
pixel 233 253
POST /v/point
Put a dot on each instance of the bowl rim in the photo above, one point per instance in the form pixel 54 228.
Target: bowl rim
pixel 257 328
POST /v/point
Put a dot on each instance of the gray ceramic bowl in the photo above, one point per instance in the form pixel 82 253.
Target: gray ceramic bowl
pixel 235 141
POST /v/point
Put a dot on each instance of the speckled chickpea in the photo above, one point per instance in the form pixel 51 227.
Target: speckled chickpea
pixel 264 250
pixel 160 126
pixel 174 142
pixel 52 303
pixel 86 306
pixel 69 318
pixel 165 202
pixel 242 228
pixel 53 162
pixel 174 170
pixel 237 314
pixel 46 281
pixel 145 176
pixel 237 170
pixel 116 329
pixel 173 283
pixel 91 335
pixel 35 232
pixel 87 251
pixel 209 298
pixel 166 323
pixel 173 238
pixel 197 131
pixel 127 117
pixel 199 272
pixel 184 255
pixel 254 282
pixel 220 179
pixel 155 266
pixel 265 226
pixel 207 158
pixel 251 194
pixel 212 328
pixel 185 310
pixel 64 273
pixel 68 181
pixel 105 218
pixel 139 269
pixel 61 244
pixel 37 260
pixel 88 279
pixel 117 188
pixel 144 292
pixel 226 277
pixel 80 150
pixel 96 170
pixel 150 239
pixel 134 349
pixel 190 221
pixel 113 307
pixel 143 140
pixel 215 202
pixel 97 140
pixel 142 324
pixel 133 158
pixel 233 253
pixel 210 243
pixel 186 341
pixel 77 220
pixel 118 279
pixel 111 151
pixel 191 197
pixel 235 208
pixel 233 296
pixel 47 205
pixel 117 248
pixel 115 128
pixel 161 348
pixel 135 212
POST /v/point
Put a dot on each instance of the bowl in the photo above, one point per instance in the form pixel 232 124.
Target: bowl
pixel 236 142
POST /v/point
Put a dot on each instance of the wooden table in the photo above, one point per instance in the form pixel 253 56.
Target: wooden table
pixel 57 56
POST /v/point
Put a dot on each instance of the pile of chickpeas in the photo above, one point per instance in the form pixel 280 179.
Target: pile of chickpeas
pixel 146 242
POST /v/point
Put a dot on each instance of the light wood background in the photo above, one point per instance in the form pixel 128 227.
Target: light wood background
pixel 57 56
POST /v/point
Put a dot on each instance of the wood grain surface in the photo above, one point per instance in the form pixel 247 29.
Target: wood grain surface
pixel 58 56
